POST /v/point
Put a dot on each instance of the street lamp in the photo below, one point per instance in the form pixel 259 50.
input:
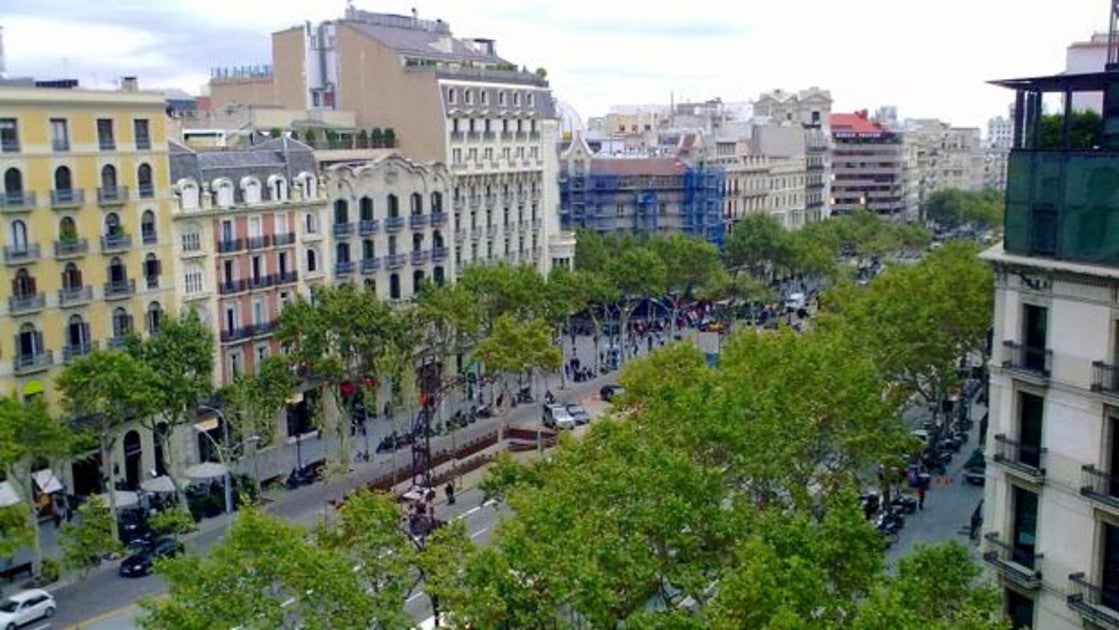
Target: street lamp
pixel 222 452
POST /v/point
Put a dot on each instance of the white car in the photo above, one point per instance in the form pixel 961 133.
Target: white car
pixel 25 607
pixel 557 416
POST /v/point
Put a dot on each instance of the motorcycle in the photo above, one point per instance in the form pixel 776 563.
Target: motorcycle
pixel 524 396
pixel 300 477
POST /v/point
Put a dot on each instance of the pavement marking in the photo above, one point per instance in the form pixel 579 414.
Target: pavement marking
pixel 468 512
pixel 479 532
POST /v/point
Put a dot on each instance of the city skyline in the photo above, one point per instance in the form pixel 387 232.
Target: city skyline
pixel 599 54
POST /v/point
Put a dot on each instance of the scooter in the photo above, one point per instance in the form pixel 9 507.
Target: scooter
pixel 524 396
pixel 907 505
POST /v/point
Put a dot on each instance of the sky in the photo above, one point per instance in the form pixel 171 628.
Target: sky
pixel 930 59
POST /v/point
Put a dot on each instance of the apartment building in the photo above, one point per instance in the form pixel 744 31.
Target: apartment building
pixel 947 156
pixel 448 100
pixel 1051 507
pixel 640 194
pixel 1000 137
pixel 86 201
pixel 248 226
pixel 390 225
pixel 871 168
pixel 811 109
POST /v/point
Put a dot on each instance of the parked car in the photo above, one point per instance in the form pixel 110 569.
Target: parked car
pixel 140 563
pixel 579 413
pixel 795 302
pixel 608 392
pixel 711 325
pixel 556 416
pixel 975 470
pixel 25 607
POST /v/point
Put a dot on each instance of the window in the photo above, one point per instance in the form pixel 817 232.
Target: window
pixel 1030 414
pixel 309 184
pixel 451 95
pixel 188 194
pixel 105 139
pixel 235 368
pixel 311 223
pixel 153 317
pixel 367 249
pixel 261 354
pixel 394 286
pixel 17 236
pixel 192 279
pixel 282 263
pixel 60 134
pixel 393 206
pixel 469 96
pixel 342 253
pixel 122 323
pixel 152 269
pixel 9 135
pixel 147 228
pixel 341 212
pixel 436 202
pixel 140 131
pixel 258 312
pixel 67 229
pixel 280 223
pixel 485 96
pixel 77 335
pixel 63 182
pixel 1035 325
pixel 30 341
pixel 1024 526
pixel 417 204
pixel 250 190
pixel 223 193
pixel 417 281
pixel 23 285
pixel 278 188
pixel 257 268
pixel 501 102
pixel 109 181
pixel 13 186
pixel 312 261
pixel 117 271
pixel 365 208
pixel 529 98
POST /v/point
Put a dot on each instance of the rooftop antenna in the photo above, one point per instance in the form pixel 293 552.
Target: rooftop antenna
pixel 1113 38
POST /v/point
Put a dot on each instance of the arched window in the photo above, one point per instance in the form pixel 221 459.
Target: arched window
pixel 417 241
pixel 17 236
pixel 393 206
pixel 250 189
pixel 188 194
pixel 417 281
pixel 117 271
pixel 309 184
pixel 437 239
pixel 365 208
pixel 77 336
pixel 312 261
pixel 122 323
pixel 436 202
pixel 367 249
pixel 342 253
pixel 147 227
pixel 278 188
pixel 152 269
pixel 62 179
pixel 341 211
pixel 153 317
pixel 30 342
pixel 71 277
pixel 417 203
pixel 109 179
pixel 23 285
pixel 112 225
pixel 223 193
pixel 394 286
pixel 13 186
pixel 144 181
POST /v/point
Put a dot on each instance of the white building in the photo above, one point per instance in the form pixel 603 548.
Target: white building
pixel 1087 56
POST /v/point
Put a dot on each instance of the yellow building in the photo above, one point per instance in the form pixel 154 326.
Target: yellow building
pixel 86 206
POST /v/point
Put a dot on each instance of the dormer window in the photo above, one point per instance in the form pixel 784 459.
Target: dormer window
pixel 469 96
pixel 528 99
pixel 485 97
pixel 451 95
pixel 516 99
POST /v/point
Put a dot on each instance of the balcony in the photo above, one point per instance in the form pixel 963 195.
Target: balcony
pixel 149 237
pixel 106 144
pixel 1093 603
pixel 73 351
pixel 112 195
pixel 31 363
pixel 21 254
pixel 9 145
pixel 17 201
pixel 394 224
pixel 456 136
pixel 118 289
pixel 395 261
pixel 237 334
pixel 438 254
pixel 283 238
pixel 1024 460
pixel 506 135
pixel 116 243
pixel 344 268
pixel 285 277
pixel 23 304
pixel 370 265
pixel 1105 379
pixel 438 219
pixel 1100 486
pixel 417 221
pixel 368 227
pixel 228 246
pixel 230 287
pixel 65 198
pixel 1027 360
pixel 147 191
pixel 342 230
pixel 75 296
pixel 143 143
pixel 60 145
pixel 258 242
pixel 420 257
pixel 1013 563
pixel 118 341
pixel 256 283
pixel 489 136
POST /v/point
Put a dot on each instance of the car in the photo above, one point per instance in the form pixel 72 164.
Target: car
pixel 25 607
pixel 609 392
pixel 975 469
pixel 556 416
pixel 579 413
pixel 710 325
pixel 140 563
pixel 795 302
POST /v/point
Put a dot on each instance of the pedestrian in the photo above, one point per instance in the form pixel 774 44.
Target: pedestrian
pixel 450 490
pixel 500 399
pixel 921 496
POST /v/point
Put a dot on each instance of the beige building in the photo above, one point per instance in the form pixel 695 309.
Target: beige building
pixel 447 100
pixel 947 156
pixel 767 172
pixel 811 109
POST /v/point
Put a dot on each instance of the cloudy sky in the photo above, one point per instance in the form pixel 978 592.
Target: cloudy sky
pixel 929 58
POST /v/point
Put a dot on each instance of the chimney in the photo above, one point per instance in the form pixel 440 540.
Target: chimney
pixel 129 84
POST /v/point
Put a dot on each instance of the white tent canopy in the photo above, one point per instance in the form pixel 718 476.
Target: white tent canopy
pixel 122 499
pixel 47 481
pixel 8 496
pixel 206 470
pixel 160 484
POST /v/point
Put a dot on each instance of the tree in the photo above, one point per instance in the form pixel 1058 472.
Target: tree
pixel 266 573
pixel 334 341
pixel 639 274
pixel 253 401
pixel 592 251
pixel 376 138
pixel 90 537
pixel 515 347
pixel 275 132
pixel 29 434
pixel 309 138
pixel 951 207
pixel 15 534
pixel 689 263
pixel 104 390
pixel 601 295
pixel 390 138
pixel 758 243
pixel 565 295
pixel 542 72
pixel 735 289
pixel 181 353
pixel 503 289
pixel 1085 130
pixel 174 522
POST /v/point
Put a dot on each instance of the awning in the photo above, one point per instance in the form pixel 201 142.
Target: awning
pixel 122 499
pixel 160 484
pixel 33 387
pixel 46 480
pixel 8 496
pixel 206 470
pixel 207 425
